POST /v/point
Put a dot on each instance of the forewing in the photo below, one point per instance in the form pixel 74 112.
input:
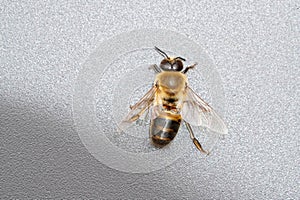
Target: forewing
pixel 141 108
pixel 198 113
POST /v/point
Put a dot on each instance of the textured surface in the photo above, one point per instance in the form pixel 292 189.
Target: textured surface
pixel 255 46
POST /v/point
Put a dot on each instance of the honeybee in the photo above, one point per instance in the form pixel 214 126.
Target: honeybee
pixel 171 101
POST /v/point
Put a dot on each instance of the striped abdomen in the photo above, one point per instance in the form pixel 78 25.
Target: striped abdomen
pixel 164 128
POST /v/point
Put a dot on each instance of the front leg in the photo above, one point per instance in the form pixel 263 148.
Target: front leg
pixel 155 68
pixel 189 67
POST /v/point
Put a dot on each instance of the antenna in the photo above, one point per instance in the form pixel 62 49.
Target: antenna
pixel 161 52
pixel 180 58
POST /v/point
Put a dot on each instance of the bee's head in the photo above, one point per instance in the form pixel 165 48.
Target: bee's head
pixel 169 63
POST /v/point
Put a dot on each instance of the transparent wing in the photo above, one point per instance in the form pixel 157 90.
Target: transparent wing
pixel 140 109
pixel 198 113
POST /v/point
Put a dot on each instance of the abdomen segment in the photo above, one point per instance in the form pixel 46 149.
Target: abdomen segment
pixel 164 128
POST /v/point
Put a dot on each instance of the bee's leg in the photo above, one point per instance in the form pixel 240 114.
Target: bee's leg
pixel 195 141
pixel 155 68
pixel 189 67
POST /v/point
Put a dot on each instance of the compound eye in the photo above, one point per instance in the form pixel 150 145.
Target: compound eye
pixel 177 66
pixel 165 65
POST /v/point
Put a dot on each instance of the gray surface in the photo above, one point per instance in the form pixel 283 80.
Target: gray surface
pixel 255 47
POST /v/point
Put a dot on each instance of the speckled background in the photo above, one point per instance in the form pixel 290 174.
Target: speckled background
pixel 255 46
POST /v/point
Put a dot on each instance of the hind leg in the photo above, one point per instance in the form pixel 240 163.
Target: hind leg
pixel 195 141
